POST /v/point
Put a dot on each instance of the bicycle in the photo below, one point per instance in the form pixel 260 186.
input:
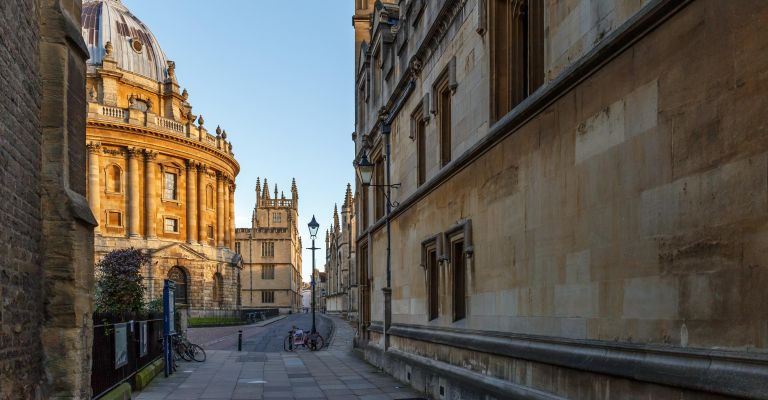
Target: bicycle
pixel 183 349
pixel 311 341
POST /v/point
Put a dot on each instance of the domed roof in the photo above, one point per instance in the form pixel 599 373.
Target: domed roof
pixel 134 47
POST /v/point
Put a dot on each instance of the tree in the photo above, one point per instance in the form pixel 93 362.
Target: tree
pixel 119 288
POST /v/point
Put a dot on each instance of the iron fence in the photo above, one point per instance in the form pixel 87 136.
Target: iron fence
pixel 120 349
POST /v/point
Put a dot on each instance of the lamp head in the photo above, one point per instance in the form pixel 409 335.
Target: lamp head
pixel 365 170
pixel 313 227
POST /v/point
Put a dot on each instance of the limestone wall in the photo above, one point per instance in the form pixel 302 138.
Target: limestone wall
pixel 21 373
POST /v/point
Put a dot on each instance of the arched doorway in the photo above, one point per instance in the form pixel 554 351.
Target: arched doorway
pixel 179 276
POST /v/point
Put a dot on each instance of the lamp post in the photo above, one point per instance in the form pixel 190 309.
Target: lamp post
pixel 313 227
pixel 365 173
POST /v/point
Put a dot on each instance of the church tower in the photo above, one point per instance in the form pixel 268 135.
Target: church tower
pixel 271 251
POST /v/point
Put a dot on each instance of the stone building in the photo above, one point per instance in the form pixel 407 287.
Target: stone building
pixel 157 179
pixel 341 294
pixel 583 199
pixel 271 252
pixel 46 244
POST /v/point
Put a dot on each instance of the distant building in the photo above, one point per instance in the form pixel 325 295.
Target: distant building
pixel 582 210
pixel 341 295
pixel 157 179
pixel 306 296
pixel 271 252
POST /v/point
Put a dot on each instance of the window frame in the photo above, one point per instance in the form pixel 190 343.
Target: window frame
pixel 121 179
pixel 118 212
pixel 267 297
pixel 167 218
pixel 268 272
pixel 166 172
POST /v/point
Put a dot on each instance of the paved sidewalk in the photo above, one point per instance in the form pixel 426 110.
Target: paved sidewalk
pixel 334 374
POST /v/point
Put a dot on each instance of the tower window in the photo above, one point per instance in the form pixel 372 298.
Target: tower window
pixel 458 261
pixel 268 296
pixel 209 197
pixel 268 249
pixel 277 217
pixel 267 272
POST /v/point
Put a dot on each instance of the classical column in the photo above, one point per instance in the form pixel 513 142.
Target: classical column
pixel 93 181
pixel 232 216
pixel 201 208
pixel 150 194
pixel 133 192
pixel 225 209
pixel 219 209
pixel 191 202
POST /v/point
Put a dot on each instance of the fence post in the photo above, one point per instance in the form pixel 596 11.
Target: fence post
pixel 240 340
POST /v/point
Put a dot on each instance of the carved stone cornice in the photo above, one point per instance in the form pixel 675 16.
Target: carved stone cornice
pixel 114 152
pixel 201 168
pixel 192 164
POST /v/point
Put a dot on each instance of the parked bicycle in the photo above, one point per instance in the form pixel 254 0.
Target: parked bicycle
pixel 298 338
pixel 183 349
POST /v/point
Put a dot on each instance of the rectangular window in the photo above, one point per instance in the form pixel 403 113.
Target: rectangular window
pixel 237 247
pixel 276 217
pixel 171 225
pixel 379 194
pixel 444 120
pixel 210 234
pixel 420 135
pixel 268 296
pixel 268 249
pixel 364 207
pixel 458 262
pixel 433 279
pixel 267 272
pixel 517 52
pixel 115 219
pixel 170 192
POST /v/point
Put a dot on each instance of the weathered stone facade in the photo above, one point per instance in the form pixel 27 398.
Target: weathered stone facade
pixel 341 293
pixel 157 180
pixel 271 252
pixel 46 244
pixel 597 233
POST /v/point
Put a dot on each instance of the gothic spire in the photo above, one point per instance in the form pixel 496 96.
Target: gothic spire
pixel 335 218
pixel 276 192
pixel 265 192
pixel 347 197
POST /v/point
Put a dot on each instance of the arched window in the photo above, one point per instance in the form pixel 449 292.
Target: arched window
pixel 179 276
pixel 114 179
pixel 218 288
pixel 209 196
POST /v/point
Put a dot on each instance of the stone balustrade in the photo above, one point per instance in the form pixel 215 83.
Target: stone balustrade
pixel 163 124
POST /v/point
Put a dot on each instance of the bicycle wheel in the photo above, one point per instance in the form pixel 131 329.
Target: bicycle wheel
pixel 196 352
pixel 183 351
pixel 315 342
pixel 288 343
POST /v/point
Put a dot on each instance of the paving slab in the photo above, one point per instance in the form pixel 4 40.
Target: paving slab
pixel 332 373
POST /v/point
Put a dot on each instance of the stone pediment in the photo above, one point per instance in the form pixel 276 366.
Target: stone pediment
pixel 178 250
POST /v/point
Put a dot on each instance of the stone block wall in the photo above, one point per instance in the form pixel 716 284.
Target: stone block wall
pixel 46 245
pixel 20 287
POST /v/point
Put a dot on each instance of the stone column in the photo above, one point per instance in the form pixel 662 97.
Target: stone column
pixel 94 199
pixel 150 195
pixel 201 209
pixel 191 202
pixel 232 216
pixel 225 223
pixel 133 192
pixel 219 209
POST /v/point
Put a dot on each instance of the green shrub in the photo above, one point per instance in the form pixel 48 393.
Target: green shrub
pixel 119 288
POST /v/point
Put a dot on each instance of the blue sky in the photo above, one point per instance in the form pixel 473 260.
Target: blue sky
pixel 278 77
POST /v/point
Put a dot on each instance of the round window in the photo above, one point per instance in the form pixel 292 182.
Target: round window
pixel 137 45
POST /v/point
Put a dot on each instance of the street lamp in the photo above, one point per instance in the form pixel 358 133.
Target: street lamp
pixel 313 227
pixel 365 174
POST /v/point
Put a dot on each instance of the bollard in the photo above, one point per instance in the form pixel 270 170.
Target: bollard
pixel 240 340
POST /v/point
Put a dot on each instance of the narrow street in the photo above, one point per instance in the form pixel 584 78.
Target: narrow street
pixel 264 371
pixel 266 338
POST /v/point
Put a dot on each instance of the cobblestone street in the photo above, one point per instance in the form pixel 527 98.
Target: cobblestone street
pixel 334 373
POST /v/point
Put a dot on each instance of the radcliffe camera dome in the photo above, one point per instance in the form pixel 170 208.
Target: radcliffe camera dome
pixel 134 47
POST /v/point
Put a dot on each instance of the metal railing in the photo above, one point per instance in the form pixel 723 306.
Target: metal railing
pixel 110 370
